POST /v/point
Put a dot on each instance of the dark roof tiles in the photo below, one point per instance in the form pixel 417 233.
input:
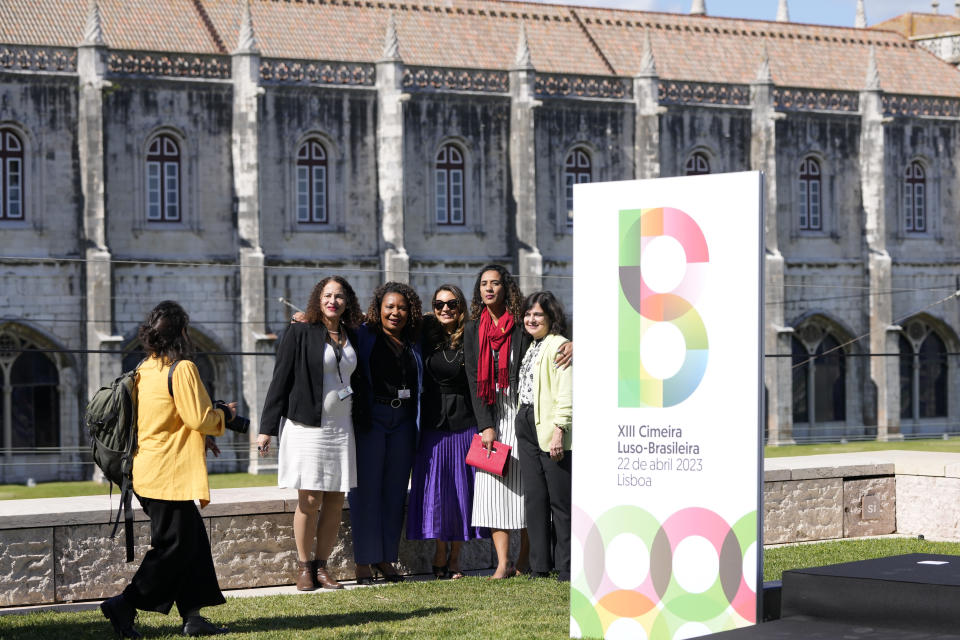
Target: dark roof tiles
pixel 484 33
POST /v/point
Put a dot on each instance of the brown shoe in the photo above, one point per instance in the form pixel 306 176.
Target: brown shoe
pixel 305 576
pixel 322 577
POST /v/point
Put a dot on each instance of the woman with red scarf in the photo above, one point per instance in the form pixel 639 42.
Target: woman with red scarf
pixel 493 346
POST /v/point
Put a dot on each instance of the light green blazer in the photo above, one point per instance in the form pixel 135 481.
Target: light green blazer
pixel 552 395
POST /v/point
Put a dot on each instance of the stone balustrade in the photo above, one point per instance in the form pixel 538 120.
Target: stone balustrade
pixel 58 549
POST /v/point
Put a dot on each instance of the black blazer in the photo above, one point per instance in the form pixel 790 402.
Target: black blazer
pixel 445 404
pixel 519 341
pixel 296 390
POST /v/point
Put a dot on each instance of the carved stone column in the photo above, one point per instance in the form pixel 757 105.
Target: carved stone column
pixel 523 165
pixel 245 148
pixel 91 71
pixel 777 374
pixel 390 100
pixel 646 88
pixel 884 372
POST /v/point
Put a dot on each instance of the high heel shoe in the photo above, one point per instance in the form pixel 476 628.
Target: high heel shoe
pixel 440 572
pixel 364 580
pixel 388 572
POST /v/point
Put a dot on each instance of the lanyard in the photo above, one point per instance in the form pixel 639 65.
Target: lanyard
pixel 337 353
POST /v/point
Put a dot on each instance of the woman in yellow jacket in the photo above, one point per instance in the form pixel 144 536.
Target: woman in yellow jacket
pixel 169 473
pixel 545 397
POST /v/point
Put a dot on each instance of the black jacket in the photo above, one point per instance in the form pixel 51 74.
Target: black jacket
pixel 296 390
pixel 486 414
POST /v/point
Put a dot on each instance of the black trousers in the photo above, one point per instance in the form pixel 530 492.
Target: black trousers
pixel 546 493
pixel 178 568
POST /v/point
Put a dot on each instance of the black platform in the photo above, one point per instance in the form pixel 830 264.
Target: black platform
pixel 914 592
pixel 803 628
pixel 909 597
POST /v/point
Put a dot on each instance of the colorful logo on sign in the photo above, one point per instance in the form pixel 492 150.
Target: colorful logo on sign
pixel 647 598
pixel 641 307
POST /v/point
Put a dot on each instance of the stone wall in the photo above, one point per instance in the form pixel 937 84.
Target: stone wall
pixel 59 550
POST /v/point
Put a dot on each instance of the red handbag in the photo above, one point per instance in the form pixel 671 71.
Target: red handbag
pixel 491 461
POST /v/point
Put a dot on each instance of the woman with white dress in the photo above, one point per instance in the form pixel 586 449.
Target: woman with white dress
pixel 309 407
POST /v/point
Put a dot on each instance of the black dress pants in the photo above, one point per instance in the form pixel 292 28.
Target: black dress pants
pixel 546 493
pixel 178 568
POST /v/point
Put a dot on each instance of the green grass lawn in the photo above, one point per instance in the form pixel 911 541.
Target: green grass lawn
pixel 468 608
pixel 227 480
pixel 472 608
pixel 67 489
pixel 938 444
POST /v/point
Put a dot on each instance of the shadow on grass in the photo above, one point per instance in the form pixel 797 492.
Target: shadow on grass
pixel 56 628
pixel 332 620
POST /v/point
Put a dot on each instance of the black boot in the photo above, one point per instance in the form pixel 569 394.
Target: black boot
pixel 121 615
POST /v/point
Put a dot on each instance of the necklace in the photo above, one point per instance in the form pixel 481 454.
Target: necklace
pixel 456 356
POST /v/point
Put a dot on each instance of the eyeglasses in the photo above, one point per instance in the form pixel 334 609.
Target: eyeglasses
pixel 438 305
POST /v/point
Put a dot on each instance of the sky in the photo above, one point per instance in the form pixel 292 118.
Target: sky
pixel 832 12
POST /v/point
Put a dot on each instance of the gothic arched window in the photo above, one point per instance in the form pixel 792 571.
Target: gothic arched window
pixel 11 176
pixel 312 182
pixel 915 198
pixel 819 377
pixel 809 201
pixel 923 373
pixel 163 179
pixel 29 395
pixel 577 169
pixel 698 164
pixel 449 171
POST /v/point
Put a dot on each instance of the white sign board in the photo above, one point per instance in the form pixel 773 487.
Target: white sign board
pixel 667 403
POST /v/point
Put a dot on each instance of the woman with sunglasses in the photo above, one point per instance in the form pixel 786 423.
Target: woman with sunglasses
pixel 441 492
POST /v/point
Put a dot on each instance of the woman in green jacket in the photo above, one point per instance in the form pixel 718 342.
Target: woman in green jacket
pixel 545 396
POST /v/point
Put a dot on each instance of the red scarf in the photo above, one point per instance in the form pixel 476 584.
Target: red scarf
pixel 493 336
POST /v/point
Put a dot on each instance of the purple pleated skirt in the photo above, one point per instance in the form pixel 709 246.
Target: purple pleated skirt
pixel 441 491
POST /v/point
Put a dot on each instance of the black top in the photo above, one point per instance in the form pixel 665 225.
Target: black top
pixel 296 389
pixel 519 341
pixel 394 370
pixel 445 404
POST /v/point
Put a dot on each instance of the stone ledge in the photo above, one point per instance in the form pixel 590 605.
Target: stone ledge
pixel 84 510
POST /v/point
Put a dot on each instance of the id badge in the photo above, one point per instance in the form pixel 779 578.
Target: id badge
pixel 403 394
pixel 345 393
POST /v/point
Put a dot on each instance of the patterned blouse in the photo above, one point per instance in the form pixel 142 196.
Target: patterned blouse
pixel 527 371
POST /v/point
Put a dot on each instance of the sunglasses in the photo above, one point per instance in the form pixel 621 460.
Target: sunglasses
pixel 438 305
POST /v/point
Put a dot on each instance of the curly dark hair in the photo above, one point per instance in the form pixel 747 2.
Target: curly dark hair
pixel 411 331
pixel 352 315
pixel 164 335
pixel 513 301
pixel 552 309
pixel 434 332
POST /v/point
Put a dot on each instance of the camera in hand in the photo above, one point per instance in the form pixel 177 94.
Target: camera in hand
pixel 238 423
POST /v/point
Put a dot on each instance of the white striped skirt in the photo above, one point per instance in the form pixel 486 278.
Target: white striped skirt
pixel 498 501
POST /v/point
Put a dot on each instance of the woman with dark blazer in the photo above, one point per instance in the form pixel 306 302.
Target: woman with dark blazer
pixel 441 490
pixel 493 340
pixel 310 402
pixel 391 368
pixel 494 345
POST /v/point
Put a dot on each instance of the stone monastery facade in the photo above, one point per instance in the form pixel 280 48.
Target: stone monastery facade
pixel 228 153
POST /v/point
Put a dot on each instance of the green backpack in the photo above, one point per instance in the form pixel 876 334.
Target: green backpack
pixel 111 420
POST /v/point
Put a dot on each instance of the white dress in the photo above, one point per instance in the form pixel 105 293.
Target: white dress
pixel 323 457
pixel 498 501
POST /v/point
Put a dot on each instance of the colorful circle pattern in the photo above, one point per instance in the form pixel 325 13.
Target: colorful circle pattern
pixel 641 307
pixel 660 603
